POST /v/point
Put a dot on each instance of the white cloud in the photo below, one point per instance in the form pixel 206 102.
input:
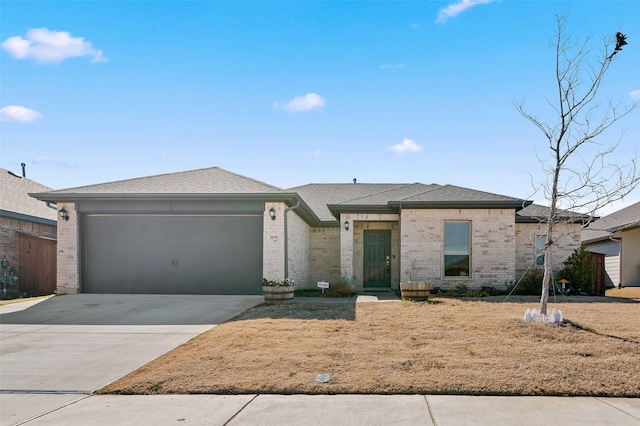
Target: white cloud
pixel 455 9
pixel 303 103
pixel 18 113
pixel 54 162
pixel 407 145
pixel 387 66
pixel 635 94
pixel 44 45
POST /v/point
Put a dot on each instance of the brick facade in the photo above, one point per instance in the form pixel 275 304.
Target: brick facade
pixel 567 237
pixel 324 262
pixel 68 256
pixel 298 249
pixel 273 242
pixel 493 246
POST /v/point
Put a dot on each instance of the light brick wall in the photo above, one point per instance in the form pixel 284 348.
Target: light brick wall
pixel 324 262
pixel 567 238
pixel 493 246
pixel 273 242
pixel 352 244
pixel 298 249
pixel 68 256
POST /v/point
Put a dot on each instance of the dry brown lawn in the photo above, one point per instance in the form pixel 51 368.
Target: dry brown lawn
pixel 446 346
pixel 626 292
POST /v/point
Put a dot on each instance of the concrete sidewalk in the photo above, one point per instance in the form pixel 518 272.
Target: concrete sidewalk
pixel 278 410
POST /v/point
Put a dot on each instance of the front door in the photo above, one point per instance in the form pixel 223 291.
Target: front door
pixel 377 259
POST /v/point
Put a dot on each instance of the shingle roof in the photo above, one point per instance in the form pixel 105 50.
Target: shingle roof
pixel 320 195
pixel 14 197
pixel 602 228
pixel 327 198
pixel 538 213
pixel 213 180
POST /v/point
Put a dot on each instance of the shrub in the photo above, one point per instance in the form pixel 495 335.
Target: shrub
pixel 530 283
pixel 578 270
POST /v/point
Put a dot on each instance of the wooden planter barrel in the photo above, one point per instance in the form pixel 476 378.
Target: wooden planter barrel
pixel 275 294
pixel 414 290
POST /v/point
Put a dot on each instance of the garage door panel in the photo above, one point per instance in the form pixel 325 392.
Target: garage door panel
pixel 172 254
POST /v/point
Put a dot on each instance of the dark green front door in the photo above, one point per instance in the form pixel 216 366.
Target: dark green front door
pixel 377 259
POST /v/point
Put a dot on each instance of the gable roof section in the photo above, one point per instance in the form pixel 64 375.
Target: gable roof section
pixel 328 200
pixel 212 183
pixel 320 196
pixel 212 180
pixel 16 203
pixel 603 228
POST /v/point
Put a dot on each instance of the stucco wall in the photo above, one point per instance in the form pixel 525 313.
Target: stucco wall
pixel 630 263
pixel 567 238
pixel 324 262
pixel 68 256
pixel 493 246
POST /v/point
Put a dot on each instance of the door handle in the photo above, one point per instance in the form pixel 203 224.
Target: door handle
pixel 388 264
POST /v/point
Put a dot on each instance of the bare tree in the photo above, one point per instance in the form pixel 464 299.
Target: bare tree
pixel 578 175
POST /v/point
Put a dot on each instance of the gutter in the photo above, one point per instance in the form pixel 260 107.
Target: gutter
pixel 286 238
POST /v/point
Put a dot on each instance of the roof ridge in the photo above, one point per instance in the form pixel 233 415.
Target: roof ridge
pixel 403 185
pixel 432 187
pixel 182 172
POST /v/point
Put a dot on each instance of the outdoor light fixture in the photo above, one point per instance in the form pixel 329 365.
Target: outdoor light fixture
pixel 346 225
pixel 272 213
pixel 63 214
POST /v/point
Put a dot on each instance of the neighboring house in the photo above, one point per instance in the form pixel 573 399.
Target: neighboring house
pixel 617 236
pixel 211 231
pixel 27 235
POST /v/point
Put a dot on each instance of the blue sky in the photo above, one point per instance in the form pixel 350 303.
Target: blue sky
pixel 295 92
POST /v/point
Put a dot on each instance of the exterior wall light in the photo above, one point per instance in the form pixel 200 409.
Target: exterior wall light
pixel 63 214
pixel 272 213
pixel 346 225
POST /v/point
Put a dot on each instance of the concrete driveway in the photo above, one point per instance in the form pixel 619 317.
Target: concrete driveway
pixel 56 351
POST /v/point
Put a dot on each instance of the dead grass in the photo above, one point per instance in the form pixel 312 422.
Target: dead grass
pixel 447 347
pixel 627 292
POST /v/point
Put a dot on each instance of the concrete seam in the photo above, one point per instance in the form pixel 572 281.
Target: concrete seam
pixel 433 419
pixel 616 408
pixel 54 410
pixel 240 410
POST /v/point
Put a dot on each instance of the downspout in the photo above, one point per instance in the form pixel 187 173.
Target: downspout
pixel 399 243
pixel 286 239
pixel 50 206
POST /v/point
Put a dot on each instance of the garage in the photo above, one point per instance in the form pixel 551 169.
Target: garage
pixel 171 253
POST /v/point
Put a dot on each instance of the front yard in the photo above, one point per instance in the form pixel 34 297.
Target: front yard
pixel 445 346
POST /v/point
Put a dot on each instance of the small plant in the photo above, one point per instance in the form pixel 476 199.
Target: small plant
pixel 287 282
pixel 414 271
pixel 339 289
pixel 155 388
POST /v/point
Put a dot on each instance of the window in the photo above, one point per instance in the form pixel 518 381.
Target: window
pixel 540 242
pixel 457 249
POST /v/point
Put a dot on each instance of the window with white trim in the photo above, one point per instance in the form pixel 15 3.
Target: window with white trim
pixel 457 249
